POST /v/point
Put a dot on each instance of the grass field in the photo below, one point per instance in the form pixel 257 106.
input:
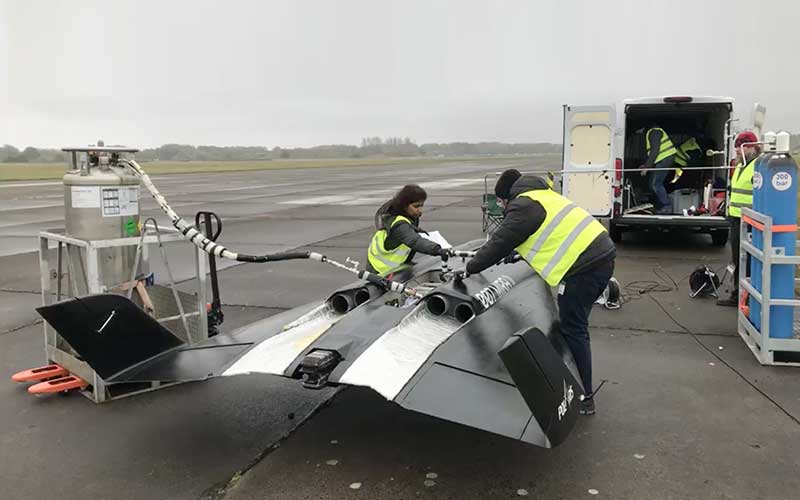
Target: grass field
pixel 41 171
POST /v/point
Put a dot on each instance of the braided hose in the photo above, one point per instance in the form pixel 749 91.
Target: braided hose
pixel 192 234
pixel 199 239
pixel 393 286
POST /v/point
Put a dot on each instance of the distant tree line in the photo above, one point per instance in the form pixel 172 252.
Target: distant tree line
pixel 10 154
pixel 370 147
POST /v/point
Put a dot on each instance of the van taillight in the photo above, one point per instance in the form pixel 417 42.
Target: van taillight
pixel 618 177
pixel 678 98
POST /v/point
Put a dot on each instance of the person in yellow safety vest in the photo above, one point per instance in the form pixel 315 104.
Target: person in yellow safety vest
pixel 661 153
pixel 564 244
pixel 398 235
pixel 741 196
pixel 687 153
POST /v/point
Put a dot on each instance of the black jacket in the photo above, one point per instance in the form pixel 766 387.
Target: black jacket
pixel 522 218
pixel 403 233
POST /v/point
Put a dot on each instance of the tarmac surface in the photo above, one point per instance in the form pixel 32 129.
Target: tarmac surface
pixel 687 412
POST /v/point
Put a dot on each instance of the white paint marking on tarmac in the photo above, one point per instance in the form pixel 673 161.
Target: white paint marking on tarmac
pixel 32 206
pixel 364 201
pixel 368 197
pixel 248 188
pixel 318 200
pixel 449 183
pixel 28 184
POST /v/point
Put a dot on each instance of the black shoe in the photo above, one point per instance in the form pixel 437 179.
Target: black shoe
pixel 730 301
pixel 587 405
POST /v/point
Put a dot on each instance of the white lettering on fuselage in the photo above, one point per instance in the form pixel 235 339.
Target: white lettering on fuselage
pixel 569 395
pixel 496 289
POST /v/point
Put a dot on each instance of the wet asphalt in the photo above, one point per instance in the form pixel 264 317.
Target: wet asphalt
pixel 687 412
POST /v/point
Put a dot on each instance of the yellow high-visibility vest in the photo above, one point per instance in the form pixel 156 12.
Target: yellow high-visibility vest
pixel 682 156
pixel 741 188
pixel 682 152
pixel 566 232
pixel 665 149
pixel 385 261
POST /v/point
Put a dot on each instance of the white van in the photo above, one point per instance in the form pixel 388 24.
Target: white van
pixel 604 146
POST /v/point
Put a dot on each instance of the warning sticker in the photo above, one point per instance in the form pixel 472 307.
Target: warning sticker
pixel 758 181
pixel 85 196
pixel 120 201
pixel 781 181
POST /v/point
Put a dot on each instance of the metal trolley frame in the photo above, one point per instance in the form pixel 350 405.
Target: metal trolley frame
pixel 55 349
pixel 767 350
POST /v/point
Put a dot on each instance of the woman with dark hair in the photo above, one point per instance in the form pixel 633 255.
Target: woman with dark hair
pixel 397 237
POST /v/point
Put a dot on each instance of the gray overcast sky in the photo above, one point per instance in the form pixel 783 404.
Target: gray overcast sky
pixel 299 73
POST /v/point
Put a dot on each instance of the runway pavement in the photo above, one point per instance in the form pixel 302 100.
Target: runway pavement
pixel 686 412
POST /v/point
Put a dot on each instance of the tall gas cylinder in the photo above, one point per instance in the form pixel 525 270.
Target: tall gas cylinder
pixel 757 235
pixel 778 200
pixel 101 202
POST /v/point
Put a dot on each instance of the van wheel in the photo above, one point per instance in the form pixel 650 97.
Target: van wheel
pixel 615 232
pixel 719 237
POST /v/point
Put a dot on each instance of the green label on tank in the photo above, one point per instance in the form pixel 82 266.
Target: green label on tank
pixel 131 228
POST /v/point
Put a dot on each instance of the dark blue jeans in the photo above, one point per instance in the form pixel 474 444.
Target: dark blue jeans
pixel 657 178
pixel 574 307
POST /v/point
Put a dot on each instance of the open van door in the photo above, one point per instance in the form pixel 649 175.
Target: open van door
pixel 759 118
pixel 589 157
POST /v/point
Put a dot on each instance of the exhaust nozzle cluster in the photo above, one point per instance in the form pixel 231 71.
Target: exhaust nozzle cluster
pixel 439 305
pixel 347 300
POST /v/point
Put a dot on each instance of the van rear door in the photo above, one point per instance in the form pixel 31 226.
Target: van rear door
pixel 589 157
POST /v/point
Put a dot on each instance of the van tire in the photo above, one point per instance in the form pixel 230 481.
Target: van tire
pixel 615 232
pixel 719 238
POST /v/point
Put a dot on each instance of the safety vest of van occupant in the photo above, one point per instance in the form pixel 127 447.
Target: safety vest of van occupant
pixel 566 232
pixel 665 149
pixel 683 151
pixel 385 261
pixel 682 156
pixel 741 188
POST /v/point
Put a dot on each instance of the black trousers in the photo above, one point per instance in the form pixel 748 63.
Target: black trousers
pixel 574 307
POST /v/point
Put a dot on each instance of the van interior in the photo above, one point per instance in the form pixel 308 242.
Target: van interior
pixel 706 122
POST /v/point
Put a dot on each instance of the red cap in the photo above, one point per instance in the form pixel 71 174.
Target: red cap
pixel 745 137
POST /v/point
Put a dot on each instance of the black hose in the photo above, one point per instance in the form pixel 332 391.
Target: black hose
pixel 273 257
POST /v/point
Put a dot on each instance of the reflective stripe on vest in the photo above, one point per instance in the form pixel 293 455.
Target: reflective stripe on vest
pixel 385 261
pixel 741 189
pixel 567 230
pixel 665 149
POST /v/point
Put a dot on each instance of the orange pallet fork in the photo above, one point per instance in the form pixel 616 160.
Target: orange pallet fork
pixel 58 385
pixel 40 373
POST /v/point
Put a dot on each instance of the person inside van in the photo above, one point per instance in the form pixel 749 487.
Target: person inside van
pixel 661 154
pixel 689 154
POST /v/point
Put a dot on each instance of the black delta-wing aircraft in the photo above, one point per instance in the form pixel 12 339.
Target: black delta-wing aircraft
pixel 484 352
